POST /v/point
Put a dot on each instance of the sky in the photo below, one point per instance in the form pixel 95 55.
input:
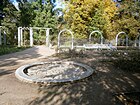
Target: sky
pixel 15 4
pixel 58 3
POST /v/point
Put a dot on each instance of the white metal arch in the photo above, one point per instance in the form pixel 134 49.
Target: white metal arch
pixel 125 36
pixel 72 37
pixel 96 32
pixel 20 35
pixel 20 39
pixel 137 39
pixel 4 36
pixel 0 36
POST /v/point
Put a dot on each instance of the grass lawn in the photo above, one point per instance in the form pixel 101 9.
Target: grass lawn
pixel 10 49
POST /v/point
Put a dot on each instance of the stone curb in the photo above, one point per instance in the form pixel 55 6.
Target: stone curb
pixel 21 75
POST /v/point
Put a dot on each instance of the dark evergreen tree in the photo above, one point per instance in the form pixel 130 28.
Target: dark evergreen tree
pixel 44 17
pixel 1 11
pixel 26 14
pixel 9 22
pixel 2 5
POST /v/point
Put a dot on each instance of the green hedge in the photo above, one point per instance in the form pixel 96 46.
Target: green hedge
pixel 10 49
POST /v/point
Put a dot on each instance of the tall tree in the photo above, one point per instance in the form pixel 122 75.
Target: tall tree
pixel 2 6
pixel 84 16
pixel 14 18
pixel 27 14
pixel 127 18
pixel 44 17
pixel 1 11
pixel 9 21
pixel 44 14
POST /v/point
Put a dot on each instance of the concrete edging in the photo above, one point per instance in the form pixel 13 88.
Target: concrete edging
pixel 21 75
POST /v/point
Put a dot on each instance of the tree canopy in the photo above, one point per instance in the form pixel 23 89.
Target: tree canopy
pixel 127 18
pixel 84 16
pixel 80 16
pixel 31 14
pixel 10 22
pixel 44 16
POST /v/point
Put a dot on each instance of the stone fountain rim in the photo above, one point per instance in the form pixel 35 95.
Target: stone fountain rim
pixel 25 78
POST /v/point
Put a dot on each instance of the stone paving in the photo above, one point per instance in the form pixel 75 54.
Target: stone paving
pixel 13 91
pixel 96 90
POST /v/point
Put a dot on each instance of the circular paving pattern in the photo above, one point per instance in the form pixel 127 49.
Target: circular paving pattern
pixel 53 72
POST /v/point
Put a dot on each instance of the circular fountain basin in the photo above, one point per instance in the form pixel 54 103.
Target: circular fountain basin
pixel 53 72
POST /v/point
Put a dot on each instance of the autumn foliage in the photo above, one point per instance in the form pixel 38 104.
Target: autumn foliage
pixel 84 16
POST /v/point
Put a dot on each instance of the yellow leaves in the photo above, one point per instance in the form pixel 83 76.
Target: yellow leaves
pixel 83 14
pixel 109 9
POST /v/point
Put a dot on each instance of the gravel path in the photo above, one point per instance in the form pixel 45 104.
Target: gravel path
pixel 99 89
pixel 12 91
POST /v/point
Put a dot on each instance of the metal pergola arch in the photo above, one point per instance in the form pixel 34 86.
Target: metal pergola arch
pixel 137 39
pixel 96 31
pixel 122 32
pixel 20 36
pixel 72 38
pixel 4 39
pixel 0 36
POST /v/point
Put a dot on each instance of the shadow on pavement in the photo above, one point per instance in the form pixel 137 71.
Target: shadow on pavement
pixel 3 72
pixel 98 89
pixel 14 58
